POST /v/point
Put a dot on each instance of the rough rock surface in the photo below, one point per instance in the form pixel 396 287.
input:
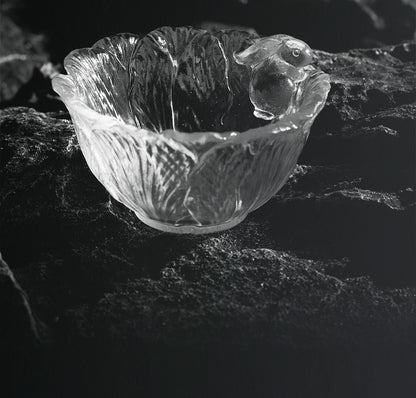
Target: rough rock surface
pixel 327 264
pixel 326 268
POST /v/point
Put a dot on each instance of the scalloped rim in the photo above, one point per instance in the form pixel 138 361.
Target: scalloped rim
pixel 65 87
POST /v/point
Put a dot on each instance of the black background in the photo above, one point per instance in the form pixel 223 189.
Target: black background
pixel 327 25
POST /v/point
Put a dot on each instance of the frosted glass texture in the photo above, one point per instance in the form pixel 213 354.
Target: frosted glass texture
pixel 177 127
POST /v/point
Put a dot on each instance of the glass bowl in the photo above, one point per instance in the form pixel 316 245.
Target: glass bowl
pixel 165 123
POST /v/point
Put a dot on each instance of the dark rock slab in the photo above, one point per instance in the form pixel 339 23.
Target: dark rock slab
pixel 342 226
pixel 364 82
pixel 326 268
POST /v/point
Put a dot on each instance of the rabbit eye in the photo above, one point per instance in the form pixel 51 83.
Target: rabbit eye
pixel 296 52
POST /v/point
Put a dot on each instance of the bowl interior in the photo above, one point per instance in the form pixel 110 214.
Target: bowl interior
pixel 180 79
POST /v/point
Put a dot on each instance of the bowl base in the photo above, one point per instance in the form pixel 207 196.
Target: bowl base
pixel 190 229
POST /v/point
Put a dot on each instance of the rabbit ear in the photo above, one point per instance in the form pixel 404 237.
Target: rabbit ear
pixel 259 51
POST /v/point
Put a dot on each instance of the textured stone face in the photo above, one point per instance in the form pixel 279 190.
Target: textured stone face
pixel 313 292
pixel 328 262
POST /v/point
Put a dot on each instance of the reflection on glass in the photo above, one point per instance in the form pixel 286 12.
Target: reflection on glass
pixel 192 130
